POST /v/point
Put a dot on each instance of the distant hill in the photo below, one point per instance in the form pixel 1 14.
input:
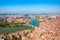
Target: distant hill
pixel 30 13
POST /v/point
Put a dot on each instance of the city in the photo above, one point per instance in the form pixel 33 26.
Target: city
pixel 48 27
pixel 29 19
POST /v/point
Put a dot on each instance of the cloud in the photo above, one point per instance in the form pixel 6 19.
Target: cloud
pixel 30 9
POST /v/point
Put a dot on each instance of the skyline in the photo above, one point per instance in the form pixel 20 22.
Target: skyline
pixel 29 6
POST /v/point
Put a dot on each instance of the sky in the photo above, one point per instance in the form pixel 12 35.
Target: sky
pixel 30 6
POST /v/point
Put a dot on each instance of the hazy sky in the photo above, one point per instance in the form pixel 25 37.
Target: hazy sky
pixel 29 6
